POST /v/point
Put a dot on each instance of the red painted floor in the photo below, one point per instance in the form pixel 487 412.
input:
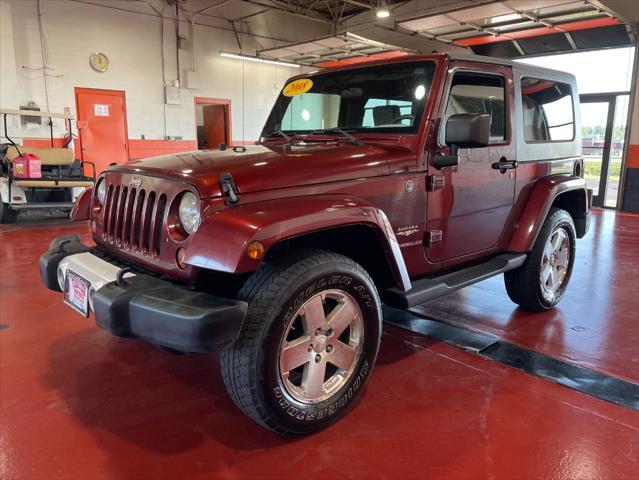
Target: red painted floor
pixel 76 403
pixel 595 324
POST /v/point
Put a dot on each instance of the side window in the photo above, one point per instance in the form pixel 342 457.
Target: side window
pixel 479 93
pixel 547 110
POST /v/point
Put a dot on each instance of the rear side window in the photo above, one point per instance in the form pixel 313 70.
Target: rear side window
pixel 547 110
pixel 479 93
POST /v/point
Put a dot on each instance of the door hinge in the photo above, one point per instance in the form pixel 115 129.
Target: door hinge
pixel 435 182
pixel 433 236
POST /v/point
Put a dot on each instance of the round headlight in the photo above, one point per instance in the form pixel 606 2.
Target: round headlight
pixel 101 191
pixel 189 212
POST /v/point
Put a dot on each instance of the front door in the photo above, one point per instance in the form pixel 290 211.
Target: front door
pixel 102 126
pixel 468 214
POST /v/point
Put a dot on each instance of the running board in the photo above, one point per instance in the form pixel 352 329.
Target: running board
pixel 427 289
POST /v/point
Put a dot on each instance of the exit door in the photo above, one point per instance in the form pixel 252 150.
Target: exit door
pixel 603 126
pixel 102 126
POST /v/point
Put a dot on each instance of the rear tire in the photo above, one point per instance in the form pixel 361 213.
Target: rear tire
pixel 305 312
pixel 541 281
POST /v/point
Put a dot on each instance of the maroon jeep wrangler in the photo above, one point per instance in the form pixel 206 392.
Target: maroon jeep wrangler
pixel 399 180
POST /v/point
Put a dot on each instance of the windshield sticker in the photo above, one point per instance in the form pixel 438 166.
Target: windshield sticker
pixel 297 87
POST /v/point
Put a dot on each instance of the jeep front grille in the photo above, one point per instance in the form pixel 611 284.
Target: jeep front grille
pixel 133 218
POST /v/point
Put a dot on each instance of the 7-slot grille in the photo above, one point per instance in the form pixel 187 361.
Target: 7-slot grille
pixel 133 218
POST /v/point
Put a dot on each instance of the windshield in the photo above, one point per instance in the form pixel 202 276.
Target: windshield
pixel 380 99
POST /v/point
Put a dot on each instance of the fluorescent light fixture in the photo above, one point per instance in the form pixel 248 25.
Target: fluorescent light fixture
pixel 382 12
pixel 249 58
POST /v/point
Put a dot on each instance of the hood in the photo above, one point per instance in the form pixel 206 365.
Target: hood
pixel 268 168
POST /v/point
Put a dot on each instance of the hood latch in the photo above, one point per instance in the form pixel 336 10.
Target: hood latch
pixel 230 191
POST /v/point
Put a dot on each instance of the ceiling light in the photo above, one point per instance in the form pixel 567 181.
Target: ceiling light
pixel 382 12
pixel 249 58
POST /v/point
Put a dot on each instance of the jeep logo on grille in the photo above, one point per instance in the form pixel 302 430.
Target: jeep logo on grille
pixel 135 182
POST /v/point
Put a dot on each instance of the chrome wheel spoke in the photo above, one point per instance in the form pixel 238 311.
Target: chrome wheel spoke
pixel 343 356
pixel 548 251
pixel 314 314
pixel 546 274
pixel 553 279
pixel 341 317
pixel 313 384
pixel 558 239
pixel 295 354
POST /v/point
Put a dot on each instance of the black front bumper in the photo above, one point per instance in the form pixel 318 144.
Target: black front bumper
pixel 152 309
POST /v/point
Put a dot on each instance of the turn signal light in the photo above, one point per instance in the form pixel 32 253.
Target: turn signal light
pixel 255 250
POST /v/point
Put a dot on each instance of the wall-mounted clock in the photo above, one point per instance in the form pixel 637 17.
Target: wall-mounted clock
pixel 99 62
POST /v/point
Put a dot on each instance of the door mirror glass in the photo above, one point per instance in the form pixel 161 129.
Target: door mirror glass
pixel 468 130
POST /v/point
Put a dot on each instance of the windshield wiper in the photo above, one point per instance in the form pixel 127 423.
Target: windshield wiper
pixel 288 141
pixel 350 137
pixel 279 133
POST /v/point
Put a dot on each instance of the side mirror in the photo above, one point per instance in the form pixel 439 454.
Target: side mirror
pixel 465 130
pixel 468 130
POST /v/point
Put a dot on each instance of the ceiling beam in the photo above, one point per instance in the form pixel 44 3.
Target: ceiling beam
pixel 306 16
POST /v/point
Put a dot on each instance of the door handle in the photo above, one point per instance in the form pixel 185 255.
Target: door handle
pixel 504 165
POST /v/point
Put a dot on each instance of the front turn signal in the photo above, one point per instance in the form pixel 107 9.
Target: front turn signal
pixel 255 250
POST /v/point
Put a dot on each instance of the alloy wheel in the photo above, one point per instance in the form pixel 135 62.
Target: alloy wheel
pixel 321 346
pixel 555 261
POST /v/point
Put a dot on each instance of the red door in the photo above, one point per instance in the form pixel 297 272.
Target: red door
pixel 214 125
pixel 102 126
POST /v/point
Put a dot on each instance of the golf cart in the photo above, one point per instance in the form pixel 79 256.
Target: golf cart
pixel 34 178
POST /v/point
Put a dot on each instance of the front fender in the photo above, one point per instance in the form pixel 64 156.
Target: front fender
pixel 82 206
pixel 541 199
pixel 221 240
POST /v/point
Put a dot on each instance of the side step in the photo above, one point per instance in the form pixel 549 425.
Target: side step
pixel 427 289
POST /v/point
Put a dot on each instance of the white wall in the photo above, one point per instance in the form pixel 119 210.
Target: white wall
pixel 132 42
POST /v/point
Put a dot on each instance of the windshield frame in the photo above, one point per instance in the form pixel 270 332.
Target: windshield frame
pixel 414 129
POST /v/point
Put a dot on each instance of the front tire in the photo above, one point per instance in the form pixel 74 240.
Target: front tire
pixel 541 281
pixel 308 342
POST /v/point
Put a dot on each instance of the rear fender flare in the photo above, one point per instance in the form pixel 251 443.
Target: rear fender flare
pixel 222 238
pixel 541 199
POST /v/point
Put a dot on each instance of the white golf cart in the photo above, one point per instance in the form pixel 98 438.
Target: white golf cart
pixel 62 177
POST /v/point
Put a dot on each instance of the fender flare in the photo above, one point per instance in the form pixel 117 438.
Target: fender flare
pixel 82 206
pixel 222 238
pixel 544 192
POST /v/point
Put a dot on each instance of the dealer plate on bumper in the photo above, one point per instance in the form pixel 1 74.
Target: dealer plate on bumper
pixel 76 292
